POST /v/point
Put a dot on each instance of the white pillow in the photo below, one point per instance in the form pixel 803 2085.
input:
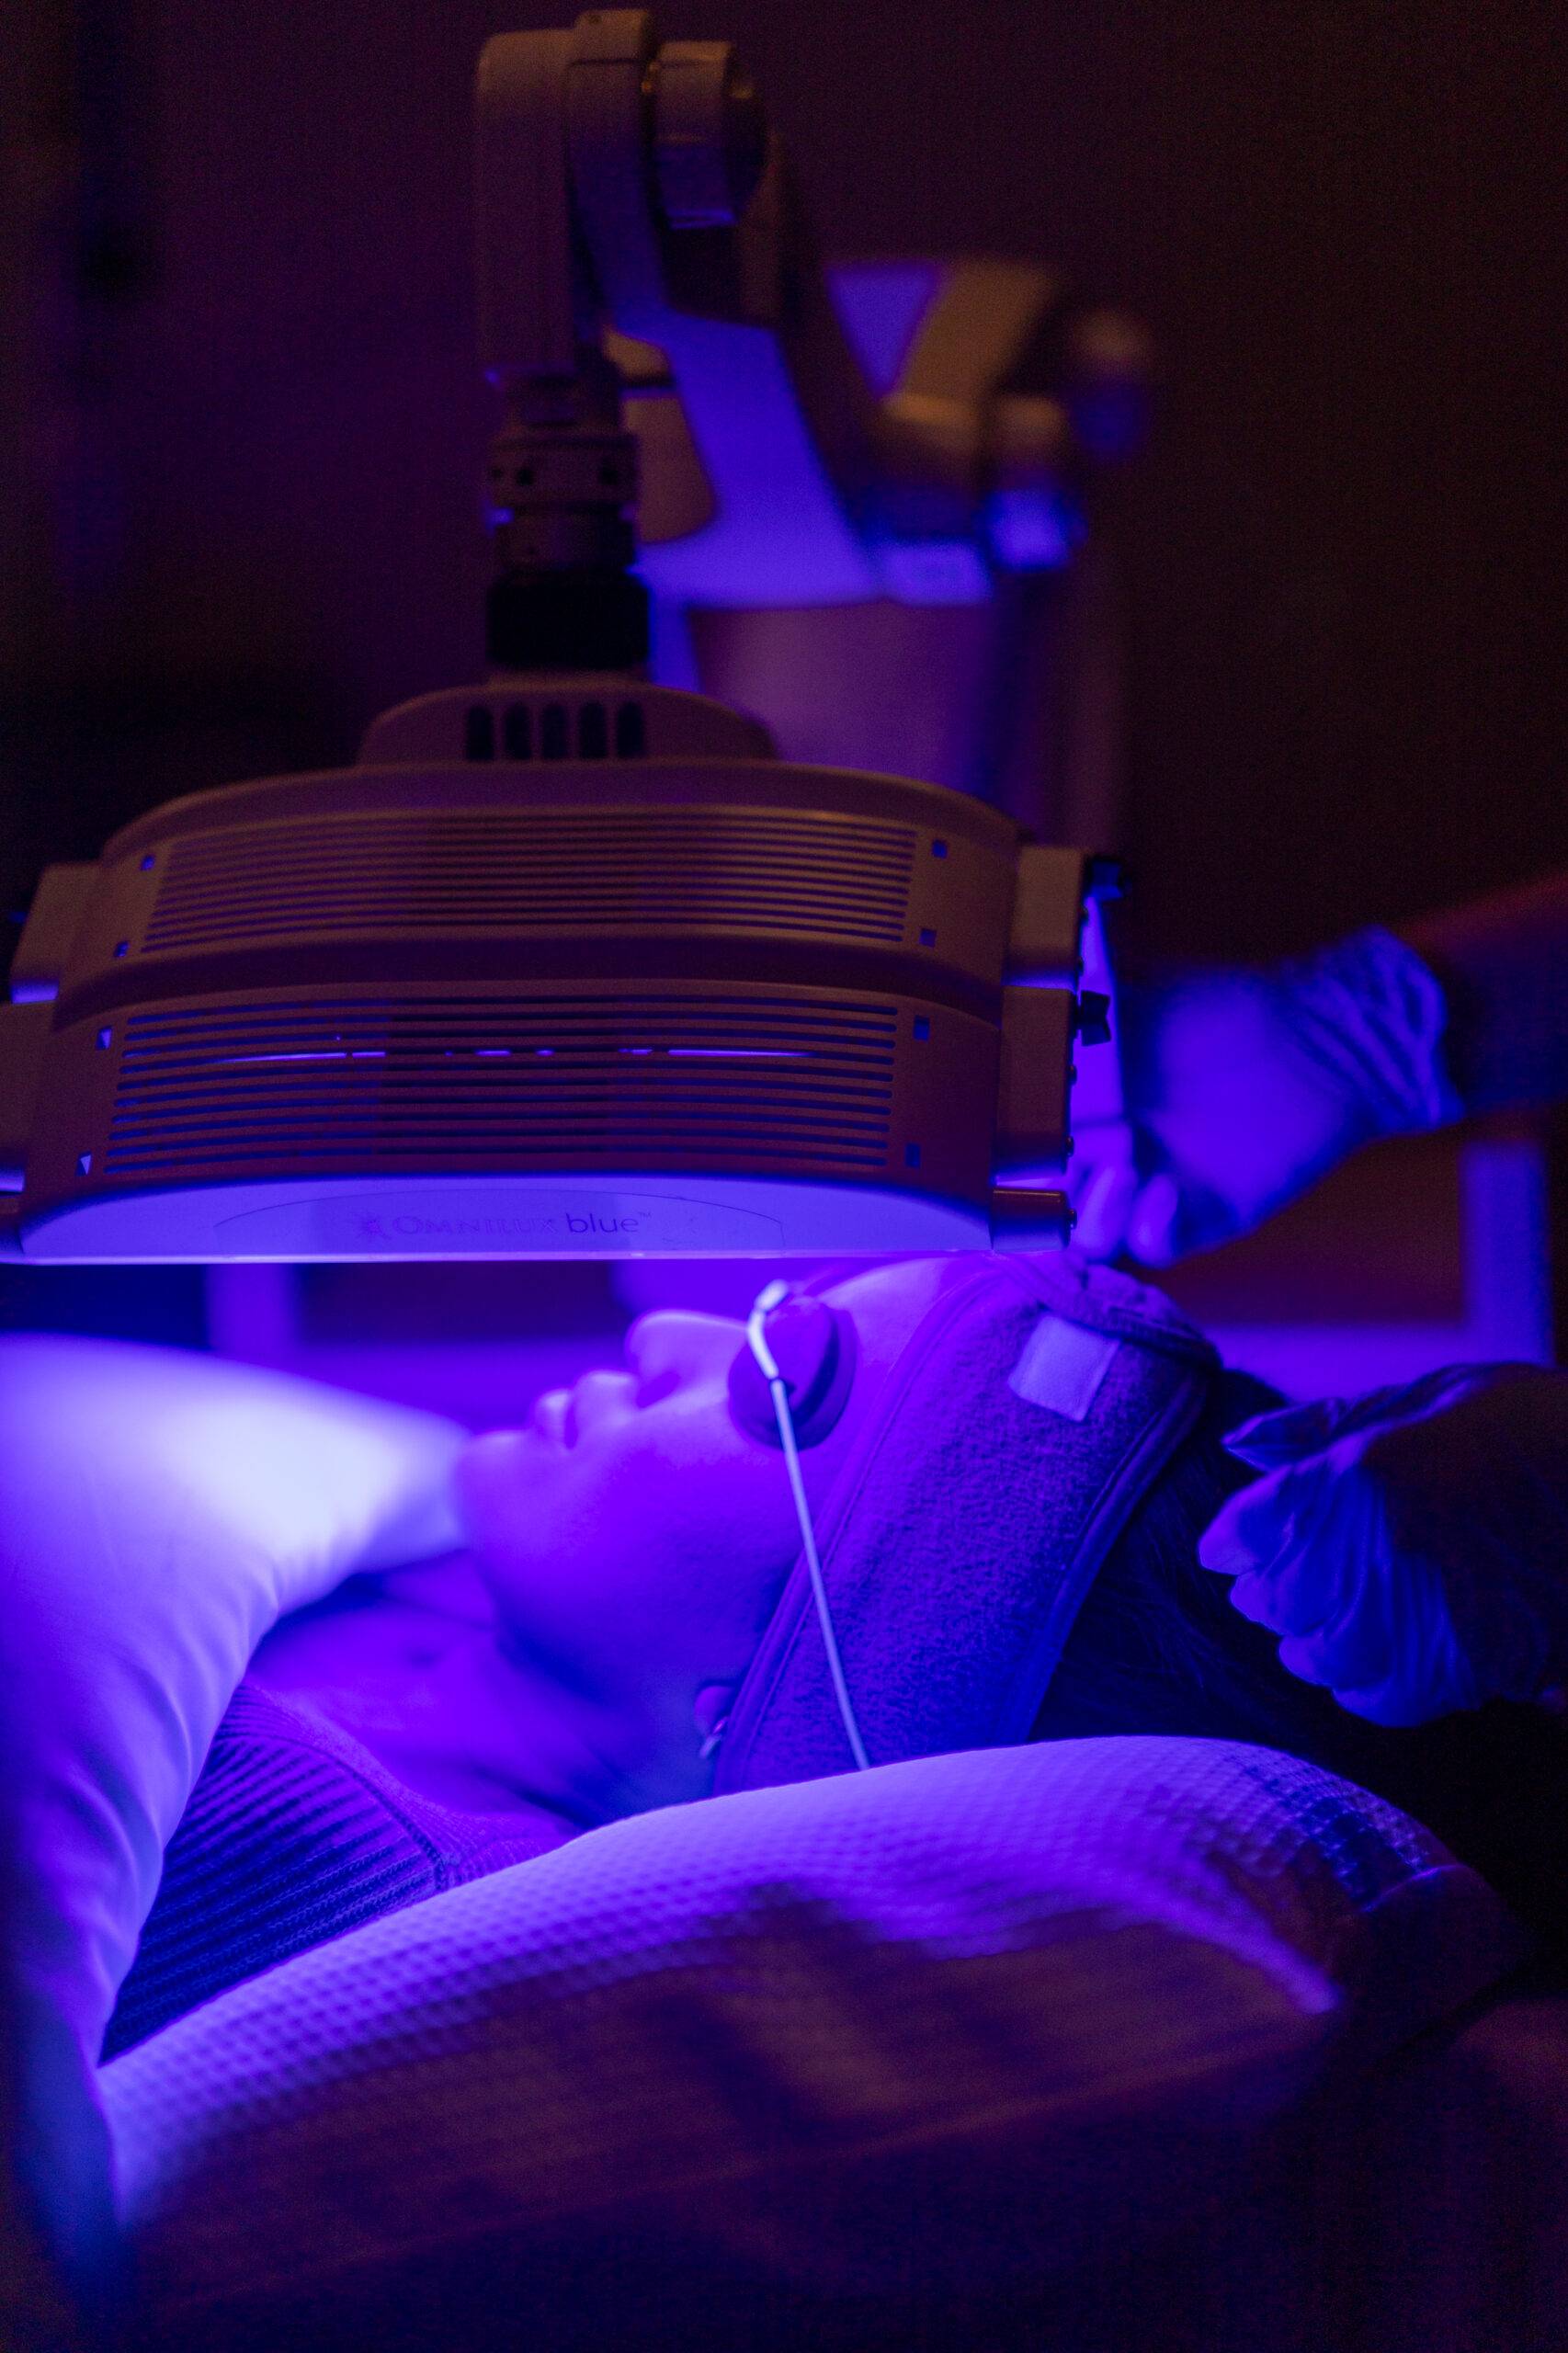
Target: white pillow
pixel 856 2043
pixel 159 1512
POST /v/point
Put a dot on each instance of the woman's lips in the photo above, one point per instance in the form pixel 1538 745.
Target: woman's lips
pixel 552 1417
pixel 600 1398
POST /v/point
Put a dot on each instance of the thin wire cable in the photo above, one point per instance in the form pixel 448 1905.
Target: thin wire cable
pixel 773 1296
pixel 824 1616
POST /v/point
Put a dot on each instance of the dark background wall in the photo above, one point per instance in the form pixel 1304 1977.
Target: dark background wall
pixel 250 426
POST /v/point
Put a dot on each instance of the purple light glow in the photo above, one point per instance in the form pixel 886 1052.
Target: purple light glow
pixel 722 1054
pixel 505 1053
pixel 330 1055
pixel 321 1054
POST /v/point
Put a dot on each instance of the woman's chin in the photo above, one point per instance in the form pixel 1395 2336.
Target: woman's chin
pixel 491 1483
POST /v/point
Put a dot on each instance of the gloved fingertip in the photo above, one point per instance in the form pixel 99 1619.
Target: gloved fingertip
pixel 1250 1595
pixel 1287 1435
pixel 1223 1548
pixel 1260 1451
pixel 1397 1709
pixel 1102 1213
pixel 1302 1656
pixel 1151 1226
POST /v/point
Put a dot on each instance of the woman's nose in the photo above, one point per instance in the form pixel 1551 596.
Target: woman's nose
pixel 672 1348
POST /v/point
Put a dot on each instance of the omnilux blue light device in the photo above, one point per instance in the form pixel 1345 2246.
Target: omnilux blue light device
pixel 569 964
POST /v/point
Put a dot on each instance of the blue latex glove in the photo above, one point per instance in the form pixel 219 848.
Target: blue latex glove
pixel 1410 1547
pixel 1242 1088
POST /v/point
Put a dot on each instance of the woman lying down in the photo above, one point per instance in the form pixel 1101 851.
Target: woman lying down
pixel 1013 1469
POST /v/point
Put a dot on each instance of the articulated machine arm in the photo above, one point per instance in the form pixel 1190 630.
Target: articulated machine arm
pixel 569 963
pixel 631 202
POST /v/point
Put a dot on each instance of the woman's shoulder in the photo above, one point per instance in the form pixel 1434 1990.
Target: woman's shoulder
pixel 296 1832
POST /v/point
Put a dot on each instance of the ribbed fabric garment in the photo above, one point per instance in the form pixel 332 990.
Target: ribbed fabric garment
pixel 296 1834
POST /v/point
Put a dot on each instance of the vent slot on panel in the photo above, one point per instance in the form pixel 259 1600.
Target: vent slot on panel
pixel 766 1084
pixel 562 733
pixel 544 870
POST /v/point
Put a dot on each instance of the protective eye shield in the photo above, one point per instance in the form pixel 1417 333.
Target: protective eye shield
pixel 792 1336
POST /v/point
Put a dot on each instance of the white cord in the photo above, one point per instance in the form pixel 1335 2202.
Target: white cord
pixel 835 1666
pixel 770 1298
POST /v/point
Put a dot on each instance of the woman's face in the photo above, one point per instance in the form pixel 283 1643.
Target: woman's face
pixel 633 1537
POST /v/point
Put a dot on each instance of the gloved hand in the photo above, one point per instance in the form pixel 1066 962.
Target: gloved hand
pixel 1242 1088
pixel 1411 1546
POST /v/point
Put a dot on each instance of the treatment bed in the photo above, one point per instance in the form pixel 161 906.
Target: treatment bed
pixel 1173 2045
